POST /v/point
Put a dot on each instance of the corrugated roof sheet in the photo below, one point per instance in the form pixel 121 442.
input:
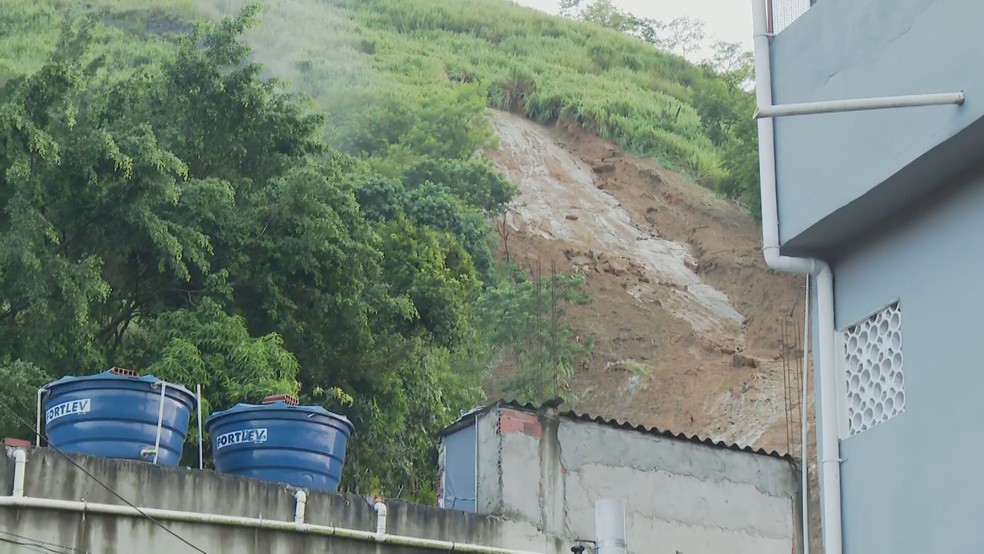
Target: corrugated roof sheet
pixel 618 424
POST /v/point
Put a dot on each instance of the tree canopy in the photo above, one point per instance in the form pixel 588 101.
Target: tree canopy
pixel 183 216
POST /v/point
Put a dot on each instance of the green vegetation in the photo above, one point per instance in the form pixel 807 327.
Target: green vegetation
pixel 168 205
pixel 528 317
pixel 637 368
pixel 372 63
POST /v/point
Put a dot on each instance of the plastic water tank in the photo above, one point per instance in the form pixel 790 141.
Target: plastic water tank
pixel 115 414
pixel 302 446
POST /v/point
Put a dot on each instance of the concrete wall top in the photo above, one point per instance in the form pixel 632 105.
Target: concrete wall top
pixel 49 475
pixel 844 49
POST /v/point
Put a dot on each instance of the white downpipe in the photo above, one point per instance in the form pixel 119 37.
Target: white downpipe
pixel 201 452
pixel 829 454
pixel 804 421
pixel 160 422
pixel 296 526
pixel 20 460
pixel 610 526
pixel 380 508
pixel 301 498
pixel 860 104
pixel 37 420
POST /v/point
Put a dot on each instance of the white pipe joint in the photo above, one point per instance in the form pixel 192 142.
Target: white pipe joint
pixel 380 508
pixel 300 505
pixel 20 464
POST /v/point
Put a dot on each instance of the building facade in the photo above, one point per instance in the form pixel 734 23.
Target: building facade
pixel 893 201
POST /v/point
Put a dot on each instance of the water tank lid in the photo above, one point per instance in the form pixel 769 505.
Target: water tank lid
pixel 281 405
pixel 111 375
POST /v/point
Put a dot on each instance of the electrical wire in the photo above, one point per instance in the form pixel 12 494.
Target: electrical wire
pixel 37 433
pixel 39 543
pixel 33 547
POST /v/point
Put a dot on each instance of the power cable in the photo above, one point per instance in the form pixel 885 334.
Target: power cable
pixel 33 547
pixel 37 433
pixel 40 543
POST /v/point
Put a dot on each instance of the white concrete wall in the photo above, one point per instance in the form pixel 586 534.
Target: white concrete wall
pixel 681 497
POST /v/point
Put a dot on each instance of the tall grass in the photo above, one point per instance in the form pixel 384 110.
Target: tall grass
pixel 354 51
pixel 350 54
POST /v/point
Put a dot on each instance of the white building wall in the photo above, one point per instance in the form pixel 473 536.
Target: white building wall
pixel 681 497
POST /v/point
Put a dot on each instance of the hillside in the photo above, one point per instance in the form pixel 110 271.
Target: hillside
pixel 356 243
pixel 686 318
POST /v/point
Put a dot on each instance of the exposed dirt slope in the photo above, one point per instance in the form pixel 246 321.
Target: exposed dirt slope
pixel 685 316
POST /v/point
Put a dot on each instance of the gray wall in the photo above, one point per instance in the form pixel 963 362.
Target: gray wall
pixel 842 49
pixel 51 476
pixel 681 497
pixel 912 484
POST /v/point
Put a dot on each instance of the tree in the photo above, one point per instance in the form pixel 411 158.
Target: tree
pixel 182 216
pixel 526 323
pixel 683 35
pixel 734 63
pixel 19 382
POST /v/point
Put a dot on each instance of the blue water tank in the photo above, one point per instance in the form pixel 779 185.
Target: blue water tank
pixel 115 414
pixel 302 446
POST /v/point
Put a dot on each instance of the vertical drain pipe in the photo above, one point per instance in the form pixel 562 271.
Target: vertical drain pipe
pixel 160 422
pixel 380 508
pixel 201 455
pixel 829 452
pixel 20 463
pixel 610 527
pixel 300 498
pixel 37 420
pixel 804 421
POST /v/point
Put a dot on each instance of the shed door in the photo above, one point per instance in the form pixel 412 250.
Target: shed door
pixel 459 470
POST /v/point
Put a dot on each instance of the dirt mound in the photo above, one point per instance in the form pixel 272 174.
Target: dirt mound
pixel 686 319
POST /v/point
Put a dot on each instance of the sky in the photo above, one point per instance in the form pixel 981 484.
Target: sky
pixel 728 20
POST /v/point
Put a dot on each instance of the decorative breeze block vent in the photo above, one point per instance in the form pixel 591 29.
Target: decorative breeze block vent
pixel 873 362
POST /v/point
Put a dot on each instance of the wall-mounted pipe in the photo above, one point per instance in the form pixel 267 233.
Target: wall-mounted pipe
pixel 829 452
pixel 860 104
pixel 252 523
pixel 300 498
pixel 37 420
pixel 20 462
pixel 160 421
pixel 610 527
pixel 201 432
pixel 380 508
pixel 805 421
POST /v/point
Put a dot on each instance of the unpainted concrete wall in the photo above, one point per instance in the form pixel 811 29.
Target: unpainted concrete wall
pixel 51 476
pixel 681 497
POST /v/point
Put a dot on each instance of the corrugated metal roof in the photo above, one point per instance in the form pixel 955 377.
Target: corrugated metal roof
pixel 464 421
